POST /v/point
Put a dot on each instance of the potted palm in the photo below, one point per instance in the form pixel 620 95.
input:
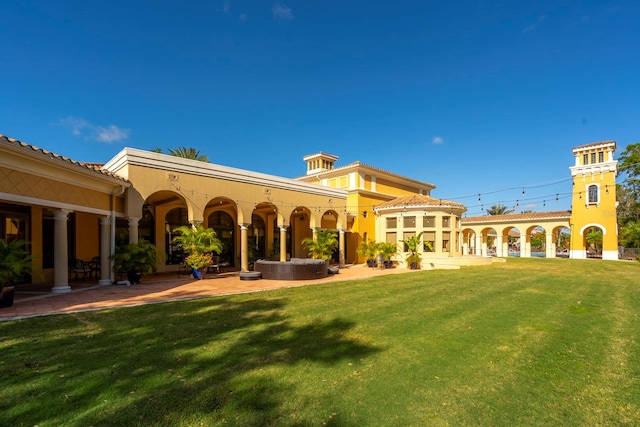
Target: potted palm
pixel 134 259
pixel 322 246
pixel 368 249
pixel 413 246
pixel 15 264
pixel 387 250
pixel 198 243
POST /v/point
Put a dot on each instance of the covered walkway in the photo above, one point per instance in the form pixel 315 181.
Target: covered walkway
pixel 38 300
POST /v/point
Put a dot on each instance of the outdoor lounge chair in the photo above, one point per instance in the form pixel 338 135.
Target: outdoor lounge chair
pixel 78 266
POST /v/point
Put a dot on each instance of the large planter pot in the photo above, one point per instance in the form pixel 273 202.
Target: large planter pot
pixel 6 296
pixel 199 273
pixel 134 276
pixel 371 263
pixel 388 264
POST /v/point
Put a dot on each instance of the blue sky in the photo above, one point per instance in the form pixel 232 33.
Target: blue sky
pixel 477 97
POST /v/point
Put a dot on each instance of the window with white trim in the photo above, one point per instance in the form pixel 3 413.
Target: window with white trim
pixel 593 194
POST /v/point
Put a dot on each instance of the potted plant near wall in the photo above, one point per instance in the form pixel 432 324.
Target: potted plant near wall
pixel 198 243
pixel 323 246
pixel 387 250
pixel 134 259
pixel 413 245
pixel 15 263
pixel 368 249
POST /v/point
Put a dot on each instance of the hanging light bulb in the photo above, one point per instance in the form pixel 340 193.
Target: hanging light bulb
pixel 522 191
pixel 556 197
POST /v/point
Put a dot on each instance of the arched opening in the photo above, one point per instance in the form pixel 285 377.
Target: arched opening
pixel 173 219
pixel 538 241
pixel 561 240
pixel 300 221
pixel 592 239
pixel 330 222
pixel 512 236
pixel 224 225
pixel 489 242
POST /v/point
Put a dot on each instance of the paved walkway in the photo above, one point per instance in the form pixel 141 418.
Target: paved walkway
pixel 37 300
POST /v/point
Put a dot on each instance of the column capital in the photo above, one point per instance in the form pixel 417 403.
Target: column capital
pixel 61 214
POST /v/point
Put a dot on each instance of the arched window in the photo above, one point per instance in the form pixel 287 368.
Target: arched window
pixel 593 194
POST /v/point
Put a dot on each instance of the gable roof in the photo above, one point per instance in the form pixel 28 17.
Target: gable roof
pixel 46 155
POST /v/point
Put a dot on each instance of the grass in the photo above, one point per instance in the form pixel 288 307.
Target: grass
pixel 526 342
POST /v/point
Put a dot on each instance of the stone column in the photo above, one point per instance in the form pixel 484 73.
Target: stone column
pixel 341 247
pixel 283 244
pixel 551 247
pixel 133 229
pixel 525 246
pixel 478 247
pixel 244 248
pixel 465 248
pixel 105 249
pixel 60 252
pixel 499 248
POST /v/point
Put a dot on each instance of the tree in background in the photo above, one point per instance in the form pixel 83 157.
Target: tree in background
pixel 594 238
pixel 499 209
pixel 628 196
pixel 188 153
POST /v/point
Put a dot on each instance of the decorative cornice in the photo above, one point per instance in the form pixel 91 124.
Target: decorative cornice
pixel 136 157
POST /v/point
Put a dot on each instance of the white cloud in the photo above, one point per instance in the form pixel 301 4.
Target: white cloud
pixel 81 127
pixel 282 12
pixel 533 26
pixel 243 17
pixel 437 140
pixel 111 133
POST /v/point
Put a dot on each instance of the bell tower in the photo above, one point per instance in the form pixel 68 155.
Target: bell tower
pixel 593 206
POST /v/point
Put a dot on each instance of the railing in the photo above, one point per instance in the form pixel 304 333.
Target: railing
pixel 628 253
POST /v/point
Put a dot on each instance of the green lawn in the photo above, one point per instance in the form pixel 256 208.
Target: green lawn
pixel 522 343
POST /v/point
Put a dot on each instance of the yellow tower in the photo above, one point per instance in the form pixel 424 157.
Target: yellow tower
pixel 594 204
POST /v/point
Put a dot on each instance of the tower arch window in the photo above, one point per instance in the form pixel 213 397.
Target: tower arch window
pixel 593 194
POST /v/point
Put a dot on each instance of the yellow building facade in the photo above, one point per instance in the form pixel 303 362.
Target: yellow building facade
pixel 593 208
pixel 366 187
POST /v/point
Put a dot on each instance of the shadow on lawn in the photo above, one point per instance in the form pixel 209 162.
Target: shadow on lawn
pixel 213 359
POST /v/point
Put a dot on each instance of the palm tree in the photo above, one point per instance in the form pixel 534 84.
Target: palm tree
pixel 594 238
pixel 198 243
pixel 188 153
pixel 323 245
pixel 15 261
pixel 499 209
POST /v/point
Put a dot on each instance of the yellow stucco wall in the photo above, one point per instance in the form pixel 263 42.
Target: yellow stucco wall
pixel 602 214
pixel 24 184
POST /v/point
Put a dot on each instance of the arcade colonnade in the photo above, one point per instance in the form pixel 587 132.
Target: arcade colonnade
pixel 483 235
pixel 255 215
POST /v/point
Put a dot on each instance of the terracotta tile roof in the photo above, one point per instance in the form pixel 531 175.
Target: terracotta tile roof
pixel 96 167
pixel 594 144
pixel 517 217
pixel 419 201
